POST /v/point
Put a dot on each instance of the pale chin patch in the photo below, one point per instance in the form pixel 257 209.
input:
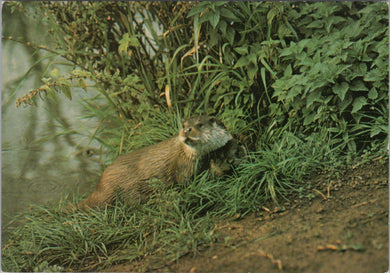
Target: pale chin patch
pixel 213 140
pixel 194 138
pixel 216 139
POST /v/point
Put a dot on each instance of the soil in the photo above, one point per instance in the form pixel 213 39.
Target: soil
pixel 341 225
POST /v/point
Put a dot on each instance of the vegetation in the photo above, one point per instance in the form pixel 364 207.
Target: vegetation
pixel 306 82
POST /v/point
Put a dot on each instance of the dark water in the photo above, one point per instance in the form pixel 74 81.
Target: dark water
pixel 35 172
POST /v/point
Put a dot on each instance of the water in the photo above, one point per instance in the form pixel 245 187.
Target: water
pixel 36 172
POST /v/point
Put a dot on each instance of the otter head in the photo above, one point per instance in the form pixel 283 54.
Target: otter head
pixel 204 134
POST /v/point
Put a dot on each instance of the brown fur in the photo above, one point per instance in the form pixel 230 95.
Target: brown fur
pixel 170 161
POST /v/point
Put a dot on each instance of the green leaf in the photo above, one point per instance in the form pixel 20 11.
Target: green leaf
pixel 214 19
pixel 127 41
pixel 358 86
pixel 230 34
pixel 222 27
pixel 314 96
pixel 123 43
pixel 296 90
pixel 341 89
pixel 333 20
pixel 372 94
pixel 271 15
pixel 66 91
pixel 308 119
pixel 252 70
pixel 243 61
pixel 373 75
pixel 345 103
pixel 262 73
pixel 358 103
pixel 252 58
pixel 315 24
pixel 242 50
pixel 229 15
pixel 283 31
pixel 197 10
pixel 82 84
pixel 375 131
pixel 285 52
pixel 288 71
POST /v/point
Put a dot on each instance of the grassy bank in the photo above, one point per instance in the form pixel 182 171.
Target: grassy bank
pixel 174 222
pixel 306 84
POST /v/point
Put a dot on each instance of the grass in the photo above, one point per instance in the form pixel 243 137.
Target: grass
pixel 175 221
pixel 226 77
pixel 46 238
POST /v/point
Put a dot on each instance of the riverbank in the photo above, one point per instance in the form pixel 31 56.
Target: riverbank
pixel 343 228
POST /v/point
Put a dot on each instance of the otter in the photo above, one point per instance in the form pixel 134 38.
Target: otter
pixel 171 161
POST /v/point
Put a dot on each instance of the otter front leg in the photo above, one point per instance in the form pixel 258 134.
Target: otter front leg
pixel 102 195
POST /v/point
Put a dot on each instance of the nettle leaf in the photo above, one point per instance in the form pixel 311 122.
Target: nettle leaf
pixel 358 86
pixel 360 69
pixel 375 131
pixel 358 103
pixel 328 99
pixel 222 27
pixel 372 94
pixel 243 61
pixel 345 103
pixel 229 15
pixel 333 20
pixel 252 70
pixel 309 119
pixel 373 75
pixel 214 18
pixel 230 34
pixel 252 58
pixel 197 9
pixel 242 50
pixel 314 96
pixel 214 37
pixel 283 31
pixel 315 24
pixel 340 90
pixel 296 90
pixel 279 93
pixel 353 29
pixel 286 51
pixel 288 71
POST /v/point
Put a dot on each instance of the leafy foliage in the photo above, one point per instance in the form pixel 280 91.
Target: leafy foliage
pixel 337 72
pixel 306 82
pixel 320 64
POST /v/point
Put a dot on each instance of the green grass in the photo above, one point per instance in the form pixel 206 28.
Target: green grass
pixel 277 85
pixel 46 238
pixel 175 221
